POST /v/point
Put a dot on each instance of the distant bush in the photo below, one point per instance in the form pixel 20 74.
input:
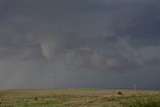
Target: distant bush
pixel 36 98
pixel 120 93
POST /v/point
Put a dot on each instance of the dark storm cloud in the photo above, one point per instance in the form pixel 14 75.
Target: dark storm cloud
pixel 99 35
pixel 59 26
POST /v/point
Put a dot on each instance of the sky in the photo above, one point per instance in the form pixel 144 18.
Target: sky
pixel 84 43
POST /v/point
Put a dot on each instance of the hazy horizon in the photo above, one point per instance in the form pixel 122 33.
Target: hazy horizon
pixel 85 43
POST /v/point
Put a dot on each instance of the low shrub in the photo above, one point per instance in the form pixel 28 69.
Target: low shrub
pixel 120 93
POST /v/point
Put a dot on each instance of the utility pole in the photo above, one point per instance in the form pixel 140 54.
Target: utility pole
pixel 51 85
pixel 134 87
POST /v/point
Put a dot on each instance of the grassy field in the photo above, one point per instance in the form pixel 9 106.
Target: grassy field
pixel 80 98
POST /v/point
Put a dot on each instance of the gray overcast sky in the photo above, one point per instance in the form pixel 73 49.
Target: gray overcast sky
pixel 85 43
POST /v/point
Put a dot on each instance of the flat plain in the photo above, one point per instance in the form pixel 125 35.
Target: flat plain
pixel 79 98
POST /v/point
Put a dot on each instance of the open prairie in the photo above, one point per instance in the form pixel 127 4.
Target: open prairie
pixel 80 98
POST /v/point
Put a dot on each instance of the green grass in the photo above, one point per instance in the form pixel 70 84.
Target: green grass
pixel 79 98
pixel 146 101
